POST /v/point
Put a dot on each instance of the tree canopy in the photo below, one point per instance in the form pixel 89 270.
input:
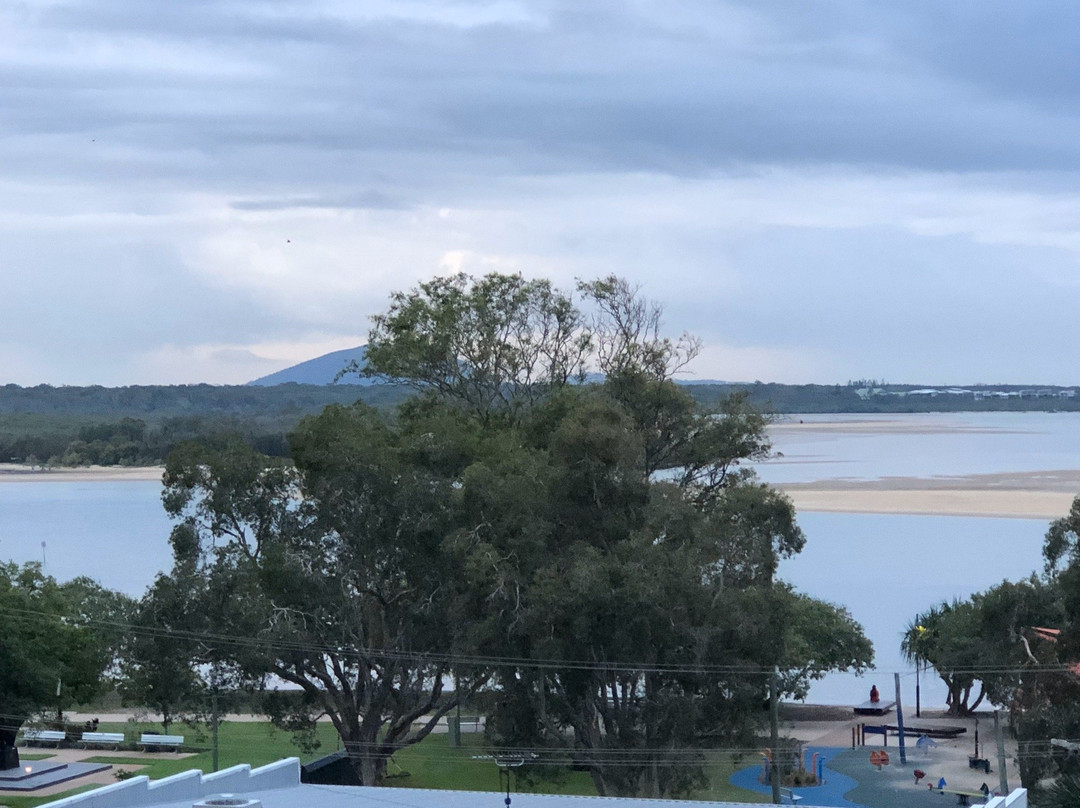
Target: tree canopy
pixel 57 643
pixel 596 556
pixel 1017 645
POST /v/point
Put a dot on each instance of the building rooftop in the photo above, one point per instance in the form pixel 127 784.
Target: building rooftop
pixel 278 786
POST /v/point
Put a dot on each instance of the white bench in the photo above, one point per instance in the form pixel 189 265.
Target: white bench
pixel 32 736
pixel 113 739
pixel 790 796
pixel 148 739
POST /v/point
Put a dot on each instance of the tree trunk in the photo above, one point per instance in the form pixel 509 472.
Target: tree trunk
pixel 371 769
pixel 367 756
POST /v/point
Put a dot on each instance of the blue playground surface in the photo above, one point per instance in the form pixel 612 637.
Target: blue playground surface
pixel 829 793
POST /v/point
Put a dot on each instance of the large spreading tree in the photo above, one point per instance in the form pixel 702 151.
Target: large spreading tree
pixel 589 548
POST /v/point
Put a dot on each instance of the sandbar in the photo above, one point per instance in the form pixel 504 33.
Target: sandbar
pixel 13 473
pixel 913 424
pixel 1016 495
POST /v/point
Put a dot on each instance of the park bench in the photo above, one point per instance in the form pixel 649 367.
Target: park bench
pixel 471 723
pixel 32 736
pixel 113 739
pixel 149 740
pixel 789 795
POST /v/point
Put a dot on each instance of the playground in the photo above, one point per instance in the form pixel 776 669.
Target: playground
pixel 864 770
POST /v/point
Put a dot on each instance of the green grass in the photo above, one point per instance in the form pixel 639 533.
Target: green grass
pixel 35 755
pixel 433 763
pixel 719 767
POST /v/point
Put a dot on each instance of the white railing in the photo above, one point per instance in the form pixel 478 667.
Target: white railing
pixel 190 785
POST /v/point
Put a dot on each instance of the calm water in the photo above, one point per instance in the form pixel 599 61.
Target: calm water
pixel 936 445
pixel 884 568
pixel 115 532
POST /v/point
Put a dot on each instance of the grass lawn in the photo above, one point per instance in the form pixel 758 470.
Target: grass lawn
pixel 435 764
pixel 432 763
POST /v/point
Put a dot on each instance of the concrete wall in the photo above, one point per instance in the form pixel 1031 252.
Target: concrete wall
pixel 1017 799
pixel 192 785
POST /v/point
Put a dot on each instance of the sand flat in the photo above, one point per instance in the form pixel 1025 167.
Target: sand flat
pixel 12 473
pixel 1001 504
pixel 909 424
pixel 1017 495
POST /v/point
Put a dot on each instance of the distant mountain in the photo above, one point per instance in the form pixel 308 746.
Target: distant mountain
pixel 320 370
pixel 323 369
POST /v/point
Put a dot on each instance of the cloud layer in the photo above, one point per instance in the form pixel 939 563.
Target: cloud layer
pixel 206 191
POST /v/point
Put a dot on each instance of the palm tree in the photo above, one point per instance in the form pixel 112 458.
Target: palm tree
pixel 944 637
pixel 1064 793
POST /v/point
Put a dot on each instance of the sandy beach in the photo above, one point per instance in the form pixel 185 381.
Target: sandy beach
pixel 1019 495
pixel 13 473
pixel 910 424
pixel 1030 494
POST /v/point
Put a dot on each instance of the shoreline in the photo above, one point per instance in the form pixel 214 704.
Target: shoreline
pixel 15 473
pixel 1043 495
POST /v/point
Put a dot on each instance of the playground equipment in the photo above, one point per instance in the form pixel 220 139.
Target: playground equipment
pixel 879 758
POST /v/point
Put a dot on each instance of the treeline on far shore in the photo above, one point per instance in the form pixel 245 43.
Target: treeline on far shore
pixel 141 425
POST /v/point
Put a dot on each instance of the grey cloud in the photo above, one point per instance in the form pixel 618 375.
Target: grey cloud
pixel 607 89
pixel 942 309
pixel 241 356
pixel 126 294
pixel 365 200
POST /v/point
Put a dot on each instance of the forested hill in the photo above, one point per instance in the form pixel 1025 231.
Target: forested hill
pixel 140 425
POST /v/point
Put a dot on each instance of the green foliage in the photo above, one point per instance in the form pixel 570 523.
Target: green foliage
pixel 1064 793
pixel 595 554
pixel 327 574
pixel 609 526
pixel 947 637
pixel 491 343
pixel 47 642
pixel 76 426
pixel 991 641
pixel 158 664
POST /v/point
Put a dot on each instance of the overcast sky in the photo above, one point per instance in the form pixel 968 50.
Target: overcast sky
pixel 211 190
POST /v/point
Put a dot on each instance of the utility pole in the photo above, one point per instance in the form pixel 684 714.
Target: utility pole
pixel 214 721
pixel 900 720
pixel 1003 777
pixel 774 726
pixel 918 703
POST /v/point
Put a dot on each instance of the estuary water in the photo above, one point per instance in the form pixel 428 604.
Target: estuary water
pixel 114 531
pixel 883 568
pixel 869 447
pixel 886 568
